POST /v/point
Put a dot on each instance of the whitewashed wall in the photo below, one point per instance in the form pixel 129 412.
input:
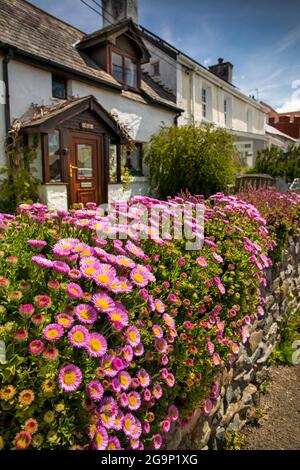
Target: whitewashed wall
pixel 147 120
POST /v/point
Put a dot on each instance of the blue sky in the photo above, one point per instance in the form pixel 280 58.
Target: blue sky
pixel 260 37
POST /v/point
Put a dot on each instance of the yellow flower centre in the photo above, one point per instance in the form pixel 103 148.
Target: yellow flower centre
pixel 64 321
pixel 132 400
pixel 102 303
pixel 69 377
pixel 116 317
pixel 138 277
pixel 103 278
pixel 78 336
pixel 132 335
pixel 95 344
pixel 52 333
pixel 99 439
pixel 90 271
pixel 85 314
pixel 125 262
pixel 111 446
pixel 127 424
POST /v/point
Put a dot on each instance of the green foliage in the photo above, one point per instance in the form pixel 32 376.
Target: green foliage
pixel 283 352
pixel 234 440
pixel 200 159
pixel 264 386
pixel 18 183
pixel 275 162
pixel 255 416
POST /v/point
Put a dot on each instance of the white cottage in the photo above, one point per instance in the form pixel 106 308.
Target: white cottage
pixel 79 96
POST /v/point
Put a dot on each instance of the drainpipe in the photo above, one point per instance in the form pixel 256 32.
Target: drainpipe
pixel 176 118
pixel 5 62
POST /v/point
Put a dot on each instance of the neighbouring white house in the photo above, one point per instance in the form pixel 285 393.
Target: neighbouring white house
pixel 80 98
pixel 279 139
pixel 208 95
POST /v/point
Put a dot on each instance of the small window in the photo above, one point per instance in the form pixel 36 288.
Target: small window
pixel 124 69
pixel 59 88
pixel 204 102
pixel 54 152
pixel 155 69
pixel 226 113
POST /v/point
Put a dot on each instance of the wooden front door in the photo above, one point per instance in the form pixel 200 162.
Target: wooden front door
pixel 86 171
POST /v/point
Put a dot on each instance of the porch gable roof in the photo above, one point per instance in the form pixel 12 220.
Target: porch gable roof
pixel 45 118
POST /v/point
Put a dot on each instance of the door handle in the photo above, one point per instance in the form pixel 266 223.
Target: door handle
pixel 72 167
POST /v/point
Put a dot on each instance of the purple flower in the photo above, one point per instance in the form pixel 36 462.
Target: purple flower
pixel 74 290
pixel 78 336
pixel 70 378
pixel 134 400
pixel 95 390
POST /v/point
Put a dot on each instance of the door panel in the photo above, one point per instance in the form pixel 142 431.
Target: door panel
pixel 86 168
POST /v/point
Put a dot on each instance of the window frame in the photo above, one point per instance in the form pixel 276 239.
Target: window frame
pixel 63 82
pixel 45 153
pixel 133 59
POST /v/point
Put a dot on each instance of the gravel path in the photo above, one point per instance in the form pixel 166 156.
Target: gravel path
pixel 279 427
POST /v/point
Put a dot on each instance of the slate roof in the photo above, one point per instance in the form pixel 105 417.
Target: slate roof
pixel 34 32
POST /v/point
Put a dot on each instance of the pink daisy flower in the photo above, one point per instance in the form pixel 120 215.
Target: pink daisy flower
pixel 156 441
pixel 127 353
pixel 124 262
pixel 124 379
pixel 210 347
pixel 43 301
pixel 118 316
pixel 64 320
pixel 126 286
pixel 74 274
pixel 159 306
pixel 85 313
pixel 123 400
pixel 206 406
pixel 96 345
pixel 139 278
pixel 134 250
pixel 216 359
pixel 168 320
pixel 26 310
pixel 133 336
pixel 144 378
pixel 173 412
pixel 100 440
pixel 104 275
pixel 60 266
pixel 161 345
pixel 36 346
pixel 218 258
pixel 103 303
pixel 165 425
pixel 53 332
pixel 113 444
pixel 42 261
pixel 134 400
pixel 118 421
pixel 95 390
pixel 70 378
pixel 74 290
pixel 128 424
pixel 78 336
pixel 170 380
pixel 139 350
pixel 157 391
pixel 147 395
pixel 201 261
pixel 37 243
pixel 157 331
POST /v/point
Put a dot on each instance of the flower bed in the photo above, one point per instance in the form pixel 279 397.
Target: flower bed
pixel 109 341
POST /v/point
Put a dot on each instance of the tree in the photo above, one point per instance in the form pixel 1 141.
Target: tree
pixel 200 159
pixel 275 162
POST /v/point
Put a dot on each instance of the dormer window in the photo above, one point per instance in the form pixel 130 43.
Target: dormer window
pixel 124 69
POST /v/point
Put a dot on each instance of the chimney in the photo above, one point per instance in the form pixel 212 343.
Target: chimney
pixel 223 70
pixel 117 10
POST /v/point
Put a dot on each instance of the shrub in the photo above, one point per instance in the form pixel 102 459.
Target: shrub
pixel 156 324
pixel 18 184
pixel 275 162
pixel 200 159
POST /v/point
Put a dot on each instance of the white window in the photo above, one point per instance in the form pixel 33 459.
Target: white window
pixel 249 120
pixel 204 103
pixel 155 69
pixel 227 110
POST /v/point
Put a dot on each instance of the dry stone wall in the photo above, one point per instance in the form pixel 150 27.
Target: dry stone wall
pixel 240 382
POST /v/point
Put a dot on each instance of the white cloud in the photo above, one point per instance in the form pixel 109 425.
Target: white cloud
pixel 293 103
pixel 288 40
pixel 207 61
